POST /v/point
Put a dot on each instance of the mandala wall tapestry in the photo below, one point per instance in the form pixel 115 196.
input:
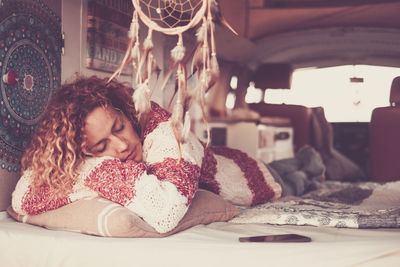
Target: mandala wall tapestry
pixel 30 63
pixel 107 34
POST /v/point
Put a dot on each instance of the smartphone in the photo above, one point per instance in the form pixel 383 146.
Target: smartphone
pixel 276 238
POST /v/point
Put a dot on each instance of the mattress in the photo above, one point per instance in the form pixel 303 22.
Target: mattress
pixel 215 244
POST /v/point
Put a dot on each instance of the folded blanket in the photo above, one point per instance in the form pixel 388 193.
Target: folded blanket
pixel 334 204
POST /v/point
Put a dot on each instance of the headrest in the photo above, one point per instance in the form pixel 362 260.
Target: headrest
pixel 395 92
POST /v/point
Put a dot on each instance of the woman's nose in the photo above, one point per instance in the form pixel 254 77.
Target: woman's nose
pixel 120 144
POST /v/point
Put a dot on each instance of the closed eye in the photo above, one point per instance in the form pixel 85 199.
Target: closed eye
pixel 120 128
pixel 102 148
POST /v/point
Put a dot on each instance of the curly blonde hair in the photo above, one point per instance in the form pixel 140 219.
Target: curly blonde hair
pixel 57 147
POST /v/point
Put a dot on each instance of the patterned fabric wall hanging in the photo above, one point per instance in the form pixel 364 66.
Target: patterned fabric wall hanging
pixel 107 34
pixel 30 63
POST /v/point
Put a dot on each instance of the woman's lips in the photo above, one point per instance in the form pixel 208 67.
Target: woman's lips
pixel 135 154
pixel 132 156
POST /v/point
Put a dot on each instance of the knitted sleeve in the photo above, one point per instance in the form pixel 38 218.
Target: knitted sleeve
pixel 26 202
pixel 160 201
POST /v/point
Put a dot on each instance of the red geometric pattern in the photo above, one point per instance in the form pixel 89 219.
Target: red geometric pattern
pixel 157 115
pixel 184 175
pixel 208 172
pixel 115 180
pixel 43 200
pixel 262 192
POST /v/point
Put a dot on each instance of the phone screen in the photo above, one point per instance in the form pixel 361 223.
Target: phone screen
pixel 276 238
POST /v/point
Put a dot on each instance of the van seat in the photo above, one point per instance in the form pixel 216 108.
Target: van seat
pixel 384 138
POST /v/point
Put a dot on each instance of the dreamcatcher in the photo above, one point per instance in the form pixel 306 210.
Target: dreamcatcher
pixel 174 17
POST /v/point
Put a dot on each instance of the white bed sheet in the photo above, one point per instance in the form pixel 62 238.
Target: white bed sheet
pixel 204 245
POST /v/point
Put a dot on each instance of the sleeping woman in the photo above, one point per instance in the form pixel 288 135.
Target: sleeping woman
pixel 91 143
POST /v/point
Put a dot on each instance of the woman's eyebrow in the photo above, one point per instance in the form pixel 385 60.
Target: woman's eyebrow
pixel 118 118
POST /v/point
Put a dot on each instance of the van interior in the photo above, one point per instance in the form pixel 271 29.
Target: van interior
pixel 341 56
pixel 292 74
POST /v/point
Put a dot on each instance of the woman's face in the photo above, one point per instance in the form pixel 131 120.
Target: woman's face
pixel 109 133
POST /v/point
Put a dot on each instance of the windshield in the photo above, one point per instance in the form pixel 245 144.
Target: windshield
pixel 347 93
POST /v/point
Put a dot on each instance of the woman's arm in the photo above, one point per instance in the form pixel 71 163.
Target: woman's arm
pixel 161 188
pixel 159 194
pixel 25 201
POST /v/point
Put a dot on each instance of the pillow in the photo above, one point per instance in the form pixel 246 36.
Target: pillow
pixel 237 177
pixel 101 217
pixel 8 180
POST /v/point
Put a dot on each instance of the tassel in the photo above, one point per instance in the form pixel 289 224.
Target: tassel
pixel 205 50
pixel 141 98
pixel 125 61
pixel 146 58
pixel 200 32
pixel 148 42
pixel 176 121
pixel 135 50
pixel 150 68
pixel 136 59
pixel 200 95
pixel 177 114
pixel 197 58
pixel 207 126
pixel 205 79
pixel 214 68
pixel 180 76
pixel 200 98
pixel 213 6
pixel 134 28
pixel 186 127
pixel 166 77
pixel 178 52
pixel 214 65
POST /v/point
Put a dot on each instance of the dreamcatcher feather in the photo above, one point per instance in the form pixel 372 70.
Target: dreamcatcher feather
pixel 174 17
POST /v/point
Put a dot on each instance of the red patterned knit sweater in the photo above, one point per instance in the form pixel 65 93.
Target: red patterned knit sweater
pixel 161 188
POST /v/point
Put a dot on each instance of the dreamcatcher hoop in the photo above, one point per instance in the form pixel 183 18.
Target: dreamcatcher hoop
pixel 170 31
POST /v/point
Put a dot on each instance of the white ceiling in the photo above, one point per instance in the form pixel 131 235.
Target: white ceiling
pixel 309 33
